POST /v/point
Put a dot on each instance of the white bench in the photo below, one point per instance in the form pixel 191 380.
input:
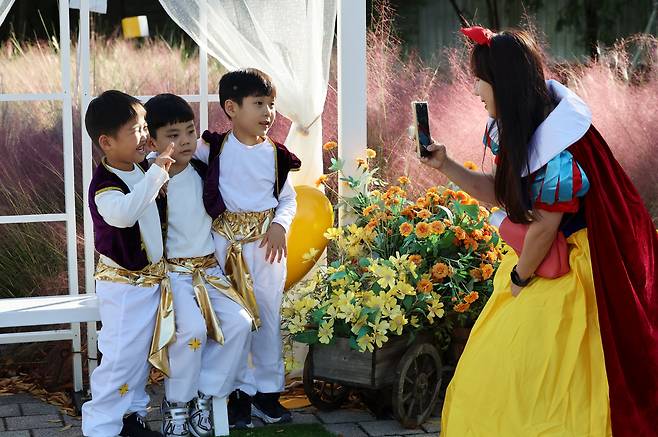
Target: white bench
pixel 68 309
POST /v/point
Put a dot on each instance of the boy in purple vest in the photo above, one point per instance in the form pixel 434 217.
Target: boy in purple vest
pixel 212 324
pixel 128 238
pixel 248 194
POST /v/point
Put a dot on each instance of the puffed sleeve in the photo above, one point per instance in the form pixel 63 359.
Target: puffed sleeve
pixel 559 185
pixel 490 138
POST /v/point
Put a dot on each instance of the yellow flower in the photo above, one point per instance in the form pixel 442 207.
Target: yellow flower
pixel 371 153
pixel 326 331
pixel 310 255
pixel 362 163
pixel 403 180
pixel 379 332
pixel 424 285
pixel 402 289
pixel 333 233
pixel 462 307
pixel 365 343
pixel 386 277
pixel 414 321
pixel 471 165
pixel 369 210
pixel 440 271
pixel 406 229
pixel 376 193
pixel 424 214
pixel 398 321
pixel 471 297
pixel 435 310
pixel 437 227
pixel 423 230
pixel 330 145
pixel 321 180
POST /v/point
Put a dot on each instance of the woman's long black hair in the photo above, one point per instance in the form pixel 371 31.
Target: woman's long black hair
pixel 513 66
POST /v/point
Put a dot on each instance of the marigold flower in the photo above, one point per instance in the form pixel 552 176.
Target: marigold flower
pixel 437 227
pixel 403 180
pixel 321 180
pixel 459 232
pixel 416 259
pixel 422 202
pixel 440 271
pixel 362 163
pixel 424 286
pixel 371 153
pixel 462 196
pixel 369 210
pixel 424 214
pixel 406 229
pixel 330 145
pixel 471 297
pixel 408 212
pixel 448 193
pixel 462 307
pixel 471 165
pixel 470 243
pixel 423 230
pixel 476 274
pixel 487 270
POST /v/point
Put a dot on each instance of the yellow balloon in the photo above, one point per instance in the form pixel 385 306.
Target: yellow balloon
pixel 314 216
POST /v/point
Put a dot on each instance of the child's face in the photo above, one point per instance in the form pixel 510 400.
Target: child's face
pixel 183 135
pixel 484 90
pixel 128 145
pixel 254 116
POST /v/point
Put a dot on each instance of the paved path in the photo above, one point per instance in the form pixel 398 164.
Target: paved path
pixel 22 415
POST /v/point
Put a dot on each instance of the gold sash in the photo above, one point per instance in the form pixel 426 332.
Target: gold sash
pixel 164 333
pixel 241 228
pixel 197 268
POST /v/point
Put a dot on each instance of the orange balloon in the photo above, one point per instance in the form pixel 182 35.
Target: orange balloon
pixel 314 216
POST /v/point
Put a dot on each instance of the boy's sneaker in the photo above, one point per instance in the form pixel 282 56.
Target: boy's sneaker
pixel 134 426
pixel 266 407
pixel 239 410
pixel 174 419
pixel 201 416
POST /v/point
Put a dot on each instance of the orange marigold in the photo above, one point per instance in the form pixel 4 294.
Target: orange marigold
pixel 476 274
pixel 423 230
pixel 487 270
pixel 432 190
pixel 406 229
pixel 472 201
pixel 470 243
pixel 422 202
pixel 471 297
pixel 408 212
pixel 330 145
pixel 470 165
pixel 371 153
pixel 440 271
pixel 424 214
pixel 321 180
pixel 362 163
pixel 403 180
pixel 459 232
pixel 448 193
pixel 437 227
pixel 462 196
pixel 424 285
pixel 462 307
pixel 369 210
pixel 416 259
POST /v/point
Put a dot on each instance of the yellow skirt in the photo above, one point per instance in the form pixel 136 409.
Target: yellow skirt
pixel 533 365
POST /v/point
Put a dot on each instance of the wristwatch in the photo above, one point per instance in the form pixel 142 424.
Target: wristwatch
pixel 516 279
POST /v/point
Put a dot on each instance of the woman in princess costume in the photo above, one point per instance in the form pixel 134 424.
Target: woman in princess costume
pixel 571 356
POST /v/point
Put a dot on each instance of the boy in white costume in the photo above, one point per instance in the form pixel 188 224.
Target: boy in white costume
pixel 248 194
pixel 127 235
pixel 212 325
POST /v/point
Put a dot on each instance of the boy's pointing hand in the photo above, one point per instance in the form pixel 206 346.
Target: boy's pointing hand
pixel 164 159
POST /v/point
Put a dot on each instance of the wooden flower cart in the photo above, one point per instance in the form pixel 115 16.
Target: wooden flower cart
pixel 406 377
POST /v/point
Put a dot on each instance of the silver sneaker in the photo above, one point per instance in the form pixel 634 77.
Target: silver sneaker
pixel 201 416
pixel 175 416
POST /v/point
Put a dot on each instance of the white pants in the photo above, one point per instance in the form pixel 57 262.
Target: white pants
pixel 267 374
pixel 196 362
pixel 118 385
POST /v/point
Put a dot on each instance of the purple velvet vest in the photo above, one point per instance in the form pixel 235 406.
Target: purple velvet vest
pixel 122 245
pixel 284 162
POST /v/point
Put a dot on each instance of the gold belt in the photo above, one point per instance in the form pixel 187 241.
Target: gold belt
pixel 241 228
pixel 164 333
pixel 197 268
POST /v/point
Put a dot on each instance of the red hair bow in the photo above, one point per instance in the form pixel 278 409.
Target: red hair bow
pixel 478 34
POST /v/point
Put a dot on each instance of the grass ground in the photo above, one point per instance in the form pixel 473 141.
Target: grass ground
pixel 285 430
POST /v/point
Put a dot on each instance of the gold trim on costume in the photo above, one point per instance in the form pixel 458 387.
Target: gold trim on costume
pixel 164 333
pixel 106 189
pixel 240 228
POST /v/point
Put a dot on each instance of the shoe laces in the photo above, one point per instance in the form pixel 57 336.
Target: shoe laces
pixel 175 416
pixel 201 409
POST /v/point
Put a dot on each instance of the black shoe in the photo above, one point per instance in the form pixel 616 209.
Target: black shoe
pixel 266 406
pixel 239 410
pixel 134 426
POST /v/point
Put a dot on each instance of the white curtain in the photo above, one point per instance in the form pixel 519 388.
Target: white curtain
pixel 290 40
pixel 5 5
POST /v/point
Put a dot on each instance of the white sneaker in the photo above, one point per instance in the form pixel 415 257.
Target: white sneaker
pixel 201 416
pixel 175 416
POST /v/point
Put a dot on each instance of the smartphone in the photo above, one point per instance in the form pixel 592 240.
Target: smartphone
pixel 422 124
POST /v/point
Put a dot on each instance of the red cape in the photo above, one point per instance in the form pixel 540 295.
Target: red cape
pixel 624 249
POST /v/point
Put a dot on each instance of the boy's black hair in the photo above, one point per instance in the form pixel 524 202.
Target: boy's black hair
pixel 166 109
pixel 108 112
pixel 248 82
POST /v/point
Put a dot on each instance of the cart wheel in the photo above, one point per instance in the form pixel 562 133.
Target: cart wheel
pixel 417 385
pixel 324 395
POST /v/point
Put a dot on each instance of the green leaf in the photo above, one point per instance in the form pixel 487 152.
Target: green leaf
pixel 318 314
pixel 364 262
pixel 338 275
pixel 471 210
pixel 337 164
pixel 309 336
pixel 353 344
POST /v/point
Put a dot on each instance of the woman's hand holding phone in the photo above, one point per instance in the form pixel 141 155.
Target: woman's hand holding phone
pixel 438 156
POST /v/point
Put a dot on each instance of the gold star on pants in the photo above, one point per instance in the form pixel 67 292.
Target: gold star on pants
pixel 123 390
pixel 194 344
